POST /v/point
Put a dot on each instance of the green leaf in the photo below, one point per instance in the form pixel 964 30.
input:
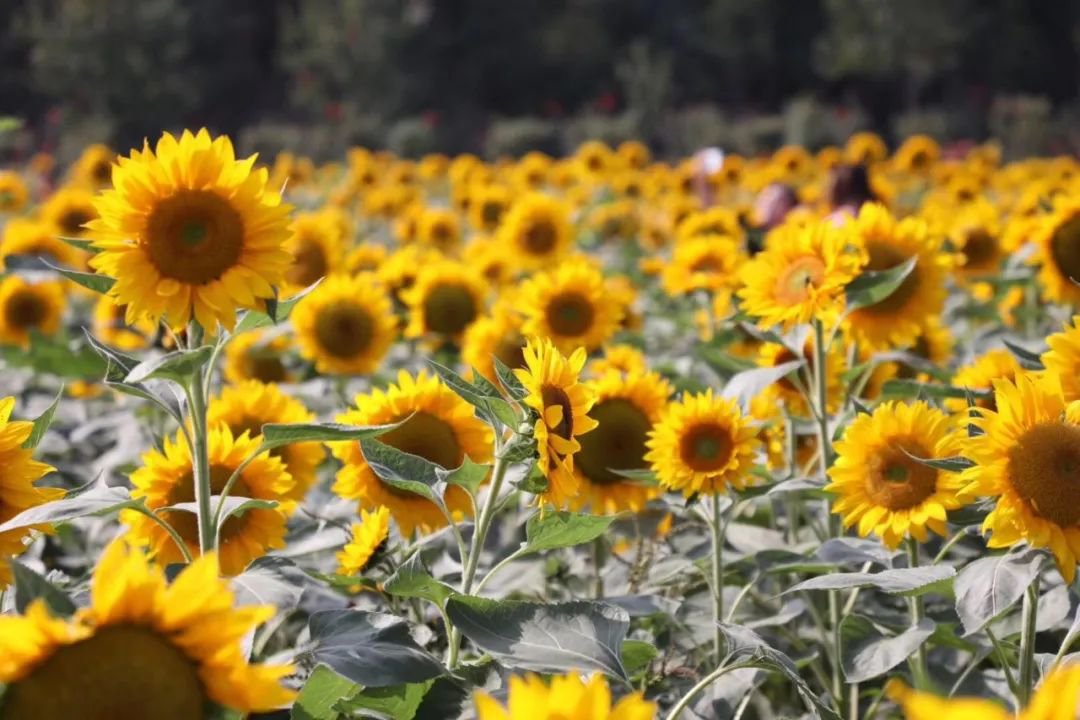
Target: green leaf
pixel 412 579
pixel 270 580
pixel 179 366
pixel 509 380
pixel 745 386
pixel 949 464
pixel 988 587
pixel 544 637
pixel 370 648
pixel 868 654
pixel 491 406
pixel 119 364
pixel 276 311
pixel 547 530
pixel 468 475
pixel 323 690
pixel 169 405
pixel 80 243
pixel 276 435
pixel 903 581
pixel 1028 360
pixel 95 500
pixel 30 586
pixel 637 654
pixel 915 389
pixel 100 284
pixel 234 505
pixel 872 287
pixel 399 702
pixel 402 470
pixel 42 422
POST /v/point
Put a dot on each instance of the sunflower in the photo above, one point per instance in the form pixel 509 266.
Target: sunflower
pixel 257 355
pixel 785 390
pixel 111 327
pixel 704 262
pixel 27 308
pixel 38 239
pixel 487 206
pixel 407 223
pixel 13 192
pixel 166 478
pixel 799 276
pixel 975 231
pixel 143 649
pixel 980 374
pixel 880 487
pixel 702 444
pixel 634 154
pixel 188 230
pixel 497 335
pixel 398 272
pixel 624 359
pixel 1063 358
pixel 441 428
pixel 247 406
pixel 365 257
pixel 446 298
pixel 530 173
pixel 562 403
pixel 792 163
pixel 1058 243
pixel 571 306
pixel 441 229
pixel 488 257
pixel 567 696
pixel 626 409
pixel 594 159
pixel 616 221
pixel 916 155
pixel 69 211
pixel 346 325
pixel 536 230
pixel 368 540
pixel 896 320
pixel 1027 459
pixel 17 490
pixel 94 167
pixel 865 148
pixel 713 221
pixel 316 249
pixel 934 343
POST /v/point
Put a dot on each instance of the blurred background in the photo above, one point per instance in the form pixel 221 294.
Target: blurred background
pixel 501 77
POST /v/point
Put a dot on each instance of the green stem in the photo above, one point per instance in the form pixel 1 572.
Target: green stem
pixel 200 450
pixel 1026 680
pixel 919 670
pixel 717 576
pixel 1003 661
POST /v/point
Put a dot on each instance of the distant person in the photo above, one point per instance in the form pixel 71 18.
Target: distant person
pixel 847 191
pixel 773 204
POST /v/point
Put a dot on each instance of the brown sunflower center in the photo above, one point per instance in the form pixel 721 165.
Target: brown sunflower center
pixel 553 396
pixel 1044 469
pixel 344 329
pixel 25 310
pixel 71 222
pixel 617 442
pixel 570 314
pixel 1065 247
pixel 194 237
pixel 706 447
pixel 123 671
pixel 795 281
pixel 266 365
pixel 428 436
pixel 491 212
pixel 539 238
pixel 186 523
pixel 896 481
pixel 102 172
pixel 448 309
pixel 980 250
pixel 886 257
pixel 707 264
pixel 309 264
pixel 511 350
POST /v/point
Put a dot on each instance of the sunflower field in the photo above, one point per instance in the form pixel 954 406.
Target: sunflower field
pixel 600 437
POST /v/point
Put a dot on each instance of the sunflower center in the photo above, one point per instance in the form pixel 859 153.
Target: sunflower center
pixel 194 237
pixel 1044 469
pixel 186 523
pixel 556 396
pixel 706 447
pixel 102 172
pixel 309 264
pixel 448 309
pixel 980 250
pixel 428 436
pixel 886 257
pixel 72 221
pixel 540 237
pixel 794 283
pixel 24 310
pixel 511 351
pixel 123 671
pixel 344 330
pixel 617 442
pixel 570 314
pixel 896 481
pixel 707 264
pixel 491 212
pixel 266 365
pixel 1065 247
pixel 786 356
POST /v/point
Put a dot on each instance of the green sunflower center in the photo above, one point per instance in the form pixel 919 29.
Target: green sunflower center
pixel 794 283
pixel 706 447
pixel 1044 469
pixel 194 237
pixel 617 442
pixel 896 481
pixel 123 671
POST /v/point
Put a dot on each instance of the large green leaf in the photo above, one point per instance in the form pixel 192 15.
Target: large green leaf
pixel 412 579
pixel 278 434
pixel 746 385
pixel 547 530
pixel 95 500
pixel 402 470
pixel 485 398
pixel 905 581
pixel 179 366
pixel 869 654
pixel 989 586
pixel 370 648
pixel 30 586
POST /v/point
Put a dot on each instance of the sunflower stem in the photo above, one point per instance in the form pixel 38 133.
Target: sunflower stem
pixel 919 670
pixel 717 576
pixel 1026 680
pixel 200 450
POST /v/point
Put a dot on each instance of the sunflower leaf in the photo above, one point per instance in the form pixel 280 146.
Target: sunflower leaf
pixel 30 586
pixel 42 422
pixel 949 464
pixel 868 654
pixel 276 311
pixel 179 366
pixel 468 475
pixel 276 435
pixel 412 579
pixel 100 284
pixel 95 500
pixel 370 648
pixel 1028 359
pixel 551 530
pixel 484 398
pixel 121 363
pixel 903 581
pixel 397 702
pixel 746 385
pixel 403 470
pixel 509 380
pixel 323 690
pixel 872 287
pixel 989 586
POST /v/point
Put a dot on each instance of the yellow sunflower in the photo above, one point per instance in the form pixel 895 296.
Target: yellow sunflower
pixel 1026 460
pixel 616 221
pixel 166 478
pixel 799 276
pixel 497 335
pixel 975 231
pixel 1058 243
pixel 94 167
pixel 187 230
pixel 31 237
pixel 346 325
pixel 446 298
pixel 916 155
pixel 562 403
pixel 365 257
pixel 566 697
pixel 634 154
pixel 702 444
pixel 880 488
pixel 594 159
pixel 398 272
pixel 787 392
pixel 29 307
pixel 316 249
pixel 69 211
pixel 1063 358
pixel 487 206
pixel 713 221
pixel 571 306
pixel 625 359
pixel 896 321
pixel 934 343
pixel 531 172
pixel 441 229
pixel 110 326
pixel 536 231
pixel 247 406
pixel 17 489
pixel 488 257
pixel 980 374
pixel 368 540
pixel 13 192
pixel 626 409
pixel 143 649
pixel 865 148
pixel 442 428
pixel 257 355
pixel 704 262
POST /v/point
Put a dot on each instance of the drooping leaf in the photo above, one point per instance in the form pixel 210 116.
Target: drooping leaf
pixel 30 586
pixel 871 287
pixel 989 586
pixel 43 421
pixel 509 380
pixel 95 500
pixel 370 648
pixel 1028 360
pixel 745 386
pixel 550 530
pixel 949 464
pixel 868 653
pixel 179 366
pixel 637 654
pixel 276 311
pixel 100 284
pixel 905 581
pixel 275 435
